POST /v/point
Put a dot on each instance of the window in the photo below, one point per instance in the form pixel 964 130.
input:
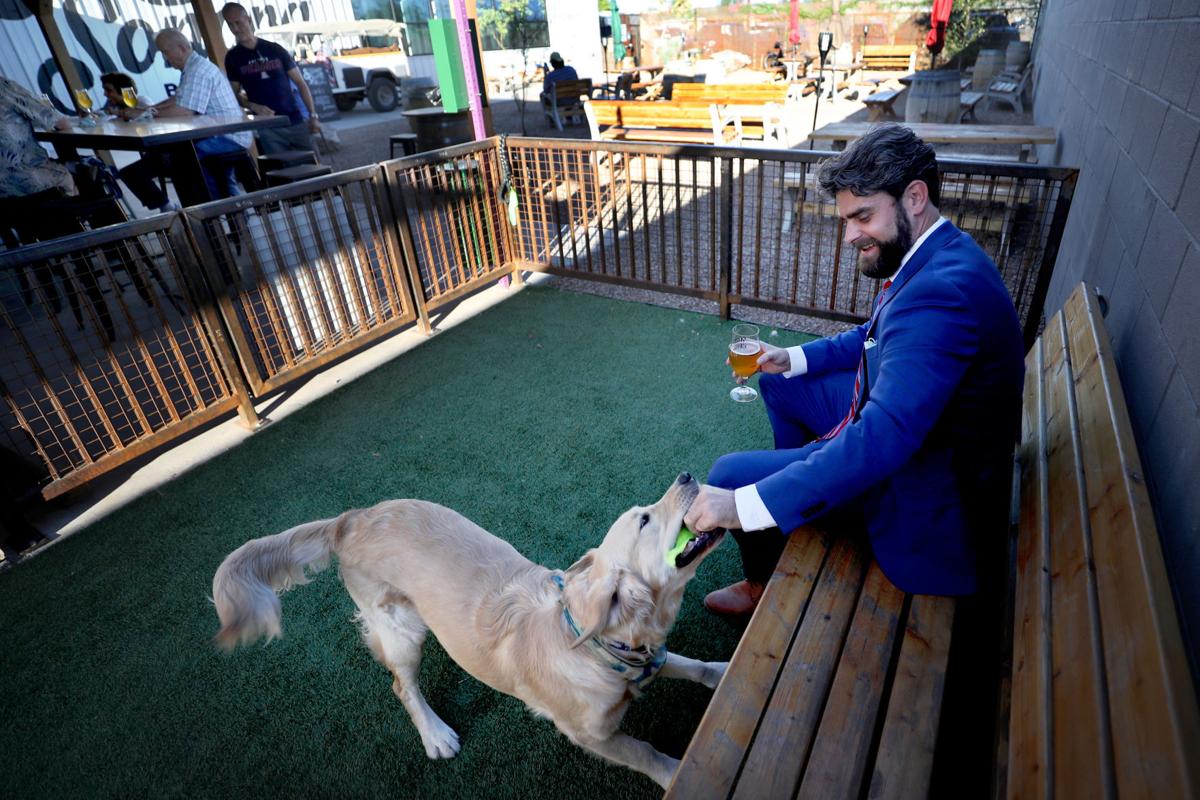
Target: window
pixel 512 24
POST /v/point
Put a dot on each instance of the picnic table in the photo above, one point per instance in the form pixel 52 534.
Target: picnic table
pixel 176 136
pixel 1023 136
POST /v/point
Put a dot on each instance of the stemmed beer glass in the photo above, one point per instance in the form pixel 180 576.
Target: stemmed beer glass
pixel 744 350
pixel 129 97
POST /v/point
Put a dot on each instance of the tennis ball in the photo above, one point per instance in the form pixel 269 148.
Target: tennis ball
pixel 681 541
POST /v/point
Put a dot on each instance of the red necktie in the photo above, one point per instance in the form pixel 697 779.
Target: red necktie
pixel 858 377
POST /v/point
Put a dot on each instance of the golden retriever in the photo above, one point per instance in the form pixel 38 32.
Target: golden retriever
pixel 575 646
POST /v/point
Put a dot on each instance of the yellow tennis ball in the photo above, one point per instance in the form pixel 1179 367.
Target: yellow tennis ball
pixel 681 541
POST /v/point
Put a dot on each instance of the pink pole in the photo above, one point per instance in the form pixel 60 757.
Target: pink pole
pixel 468 59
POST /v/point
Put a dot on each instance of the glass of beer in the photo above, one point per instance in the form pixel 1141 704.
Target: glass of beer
pixel 129 97
pixel 744 350
pixel 85 100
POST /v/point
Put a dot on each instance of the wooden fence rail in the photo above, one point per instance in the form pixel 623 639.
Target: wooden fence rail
pixel 119 340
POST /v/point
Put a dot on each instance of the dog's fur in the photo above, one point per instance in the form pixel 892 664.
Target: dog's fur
pixel 413 566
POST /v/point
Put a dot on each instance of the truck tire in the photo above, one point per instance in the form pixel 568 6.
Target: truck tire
pixel 381 94
pixel 345 102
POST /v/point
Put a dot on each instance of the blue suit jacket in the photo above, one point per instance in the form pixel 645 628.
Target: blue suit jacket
pixel 937 420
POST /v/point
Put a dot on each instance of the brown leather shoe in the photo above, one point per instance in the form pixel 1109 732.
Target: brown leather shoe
pixel 737 600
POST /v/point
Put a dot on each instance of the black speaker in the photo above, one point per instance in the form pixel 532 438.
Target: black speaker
pixel 605 28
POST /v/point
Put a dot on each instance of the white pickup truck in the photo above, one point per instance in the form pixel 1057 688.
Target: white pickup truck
pixel 356 71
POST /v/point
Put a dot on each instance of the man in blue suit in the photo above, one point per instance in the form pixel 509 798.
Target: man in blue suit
pixel 908 419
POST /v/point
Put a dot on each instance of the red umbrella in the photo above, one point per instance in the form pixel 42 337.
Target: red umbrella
pixel 939 17
pixel 794 24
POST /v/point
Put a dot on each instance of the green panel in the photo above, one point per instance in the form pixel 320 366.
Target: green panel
pixel 446 56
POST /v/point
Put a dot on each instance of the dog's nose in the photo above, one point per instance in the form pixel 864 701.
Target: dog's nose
pixel 684 477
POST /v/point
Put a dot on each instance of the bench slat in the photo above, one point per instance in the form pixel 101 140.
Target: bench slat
pixel 1155 734
pixel 839 757
pixel 732 717
pixel 1028 756
pixel 790 720
pixel 1082 762
pixel 904 760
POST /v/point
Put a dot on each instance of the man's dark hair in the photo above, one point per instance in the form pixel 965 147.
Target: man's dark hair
pixel 887 159
pixel 118 80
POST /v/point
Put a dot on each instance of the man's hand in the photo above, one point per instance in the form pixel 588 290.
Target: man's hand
pixel 774 360
pixel 713 508
pixel 259 110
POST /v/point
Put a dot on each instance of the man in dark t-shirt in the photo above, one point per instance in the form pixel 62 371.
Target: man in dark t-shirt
pixel 262 74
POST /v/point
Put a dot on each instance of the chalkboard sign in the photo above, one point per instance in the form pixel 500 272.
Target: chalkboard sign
pixel 322 93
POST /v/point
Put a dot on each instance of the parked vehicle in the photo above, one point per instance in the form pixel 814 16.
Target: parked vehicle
pixel 365 58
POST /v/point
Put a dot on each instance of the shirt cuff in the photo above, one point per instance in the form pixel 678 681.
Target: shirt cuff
pixel 752 512
pixel 799 361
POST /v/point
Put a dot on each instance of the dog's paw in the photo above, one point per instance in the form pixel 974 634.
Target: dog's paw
pixel 440 740
pixel 713 672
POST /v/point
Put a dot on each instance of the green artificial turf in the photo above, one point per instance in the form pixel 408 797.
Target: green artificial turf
pixel 541 419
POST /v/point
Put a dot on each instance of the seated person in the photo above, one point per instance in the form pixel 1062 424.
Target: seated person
pixel 268 77
pixel 37 202
pixel 114 84
pixel 558 72
pixel 202 90
pixel 774 59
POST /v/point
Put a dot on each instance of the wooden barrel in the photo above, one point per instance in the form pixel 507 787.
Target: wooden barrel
pixel 987 65
pixel 1017 55
pixel 933 96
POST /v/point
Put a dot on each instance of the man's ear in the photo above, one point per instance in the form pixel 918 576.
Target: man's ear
pixel 915 198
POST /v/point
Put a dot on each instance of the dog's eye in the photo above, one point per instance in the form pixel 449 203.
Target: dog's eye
pixel 645 521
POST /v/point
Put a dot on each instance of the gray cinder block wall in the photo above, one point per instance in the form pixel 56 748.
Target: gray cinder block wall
pixel 1120 81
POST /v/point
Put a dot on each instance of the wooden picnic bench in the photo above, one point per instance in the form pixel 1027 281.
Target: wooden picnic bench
pixel 758 105
pixel 565 104
pixel 1022 136
pixel 837 686
pixel 634 121
pixel 887 57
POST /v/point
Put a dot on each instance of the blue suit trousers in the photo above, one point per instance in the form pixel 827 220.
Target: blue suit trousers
pixel 800 409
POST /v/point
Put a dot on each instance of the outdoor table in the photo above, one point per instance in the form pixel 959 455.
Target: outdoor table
pixel 174 136
pixel 1024 136
pixel 795 68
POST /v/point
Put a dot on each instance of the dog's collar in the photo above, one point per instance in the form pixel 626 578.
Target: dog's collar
pixel 638 665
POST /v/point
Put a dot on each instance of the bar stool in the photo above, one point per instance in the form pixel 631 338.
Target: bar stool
pixel 407 141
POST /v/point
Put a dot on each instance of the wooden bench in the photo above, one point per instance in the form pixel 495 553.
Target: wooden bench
pixel 887 57
pixel 760 106
pixel 966 104
pixel 1023 136
pixel 565 105
pixel 1102 701
pixel 634 121
pixel 837 686
pixel 880 104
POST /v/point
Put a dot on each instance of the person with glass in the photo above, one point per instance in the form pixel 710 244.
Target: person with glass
pixel 120 96
pixel 904 425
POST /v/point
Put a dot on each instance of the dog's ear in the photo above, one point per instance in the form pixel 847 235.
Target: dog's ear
pixel 582 565
pixel 592 597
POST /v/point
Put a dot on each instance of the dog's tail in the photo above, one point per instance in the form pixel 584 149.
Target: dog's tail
pixel 246 586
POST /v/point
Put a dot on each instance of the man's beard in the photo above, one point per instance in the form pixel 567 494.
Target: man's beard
pixel 891 252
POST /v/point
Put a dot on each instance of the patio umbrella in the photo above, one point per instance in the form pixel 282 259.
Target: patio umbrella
pixel 618 42
pixel 939 18
pixel 794 24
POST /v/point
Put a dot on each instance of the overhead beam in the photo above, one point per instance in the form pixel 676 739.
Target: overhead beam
pixel 43 12
pixel 210 31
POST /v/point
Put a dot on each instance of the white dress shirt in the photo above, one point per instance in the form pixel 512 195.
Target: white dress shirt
pixel 751 510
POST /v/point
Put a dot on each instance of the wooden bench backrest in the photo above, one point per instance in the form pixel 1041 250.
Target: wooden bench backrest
pixel 904 50
pixel 565 89
pixel 1102 700
pixel 632 113
pixel 745 94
